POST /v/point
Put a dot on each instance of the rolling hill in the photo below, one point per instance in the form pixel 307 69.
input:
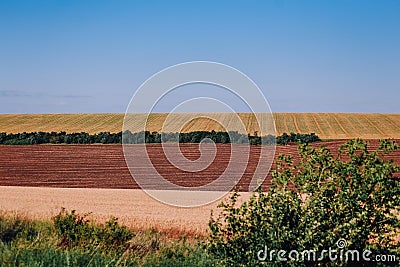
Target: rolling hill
pixel 325 125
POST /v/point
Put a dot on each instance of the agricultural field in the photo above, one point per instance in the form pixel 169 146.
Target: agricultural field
pixel 42 178
pixel 91 123
pixel 133 207
pixel 331 126
pixel 103 166
pixel 39 179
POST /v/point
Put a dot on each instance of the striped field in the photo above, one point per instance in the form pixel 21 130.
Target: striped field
pixel 325 125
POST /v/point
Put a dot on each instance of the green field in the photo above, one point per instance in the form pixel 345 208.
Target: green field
pixel 325 125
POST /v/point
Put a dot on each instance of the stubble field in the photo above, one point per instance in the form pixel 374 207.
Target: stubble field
pixel 325 125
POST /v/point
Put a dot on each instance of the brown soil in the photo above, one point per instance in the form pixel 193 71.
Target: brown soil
pixel 103 166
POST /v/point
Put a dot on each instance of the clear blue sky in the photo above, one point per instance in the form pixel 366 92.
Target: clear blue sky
pixel 306 56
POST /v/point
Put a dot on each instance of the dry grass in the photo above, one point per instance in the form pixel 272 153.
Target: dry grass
pixel 325 125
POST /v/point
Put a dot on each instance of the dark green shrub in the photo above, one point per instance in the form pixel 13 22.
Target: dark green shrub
pixel 298 138
pixel 352 196
pixel 76 230
pixel 10 228
pixel 15 227
pixel 114 235
pixel 72 228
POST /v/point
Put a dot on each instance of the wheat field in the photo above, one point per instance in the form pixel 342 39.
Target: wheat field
pixel 133 207
pixel 325 125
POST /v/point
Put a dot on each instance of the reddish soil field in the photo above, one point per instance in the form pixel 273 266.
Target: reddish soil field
pixel 103 166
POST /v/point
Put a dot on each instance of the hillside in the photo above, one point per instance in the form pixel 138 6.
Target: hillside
pixel 325 125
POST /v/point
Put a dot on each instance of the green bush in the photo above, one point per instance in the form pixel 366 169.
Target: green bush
pixel 76 230
pixel 298 138
pixel 10 229
pixel 13 227
pixel 352 196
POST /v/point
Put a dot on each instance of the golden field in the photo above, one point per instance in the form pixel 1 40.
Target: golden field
pixel 133 207
pixel 325 125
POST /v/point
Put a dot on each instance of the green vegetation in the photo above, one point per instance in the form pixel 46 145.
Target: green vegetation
pixel 218 137
pixel 59 138
pixel 298 138
pixel 197 137
pixel 311 205
pixel 73 240
pixel 76 230
pixel 152 137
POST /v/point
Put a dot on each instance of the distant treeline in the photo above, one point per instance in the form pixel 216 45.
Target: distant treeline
pixel 298 138
pixel 197 137
pixel 59 138
pixel 152 137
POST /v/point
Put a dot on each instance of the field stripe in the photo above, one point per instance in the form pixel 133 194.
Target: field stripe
pixel 347 125
pixel 373 125
pixel 292 115
pixel 395 121
pixel 346 133
pixel 322 133
pixel 334 126
pixel 323 124
pixel 306 123
pixel 279 124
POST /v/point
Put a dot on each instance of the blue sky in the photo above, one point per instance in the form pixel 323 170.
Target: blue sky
pixel 306 56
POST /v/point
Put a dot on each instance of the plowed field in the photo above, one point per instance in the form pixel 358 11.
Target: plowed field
pixel 103 166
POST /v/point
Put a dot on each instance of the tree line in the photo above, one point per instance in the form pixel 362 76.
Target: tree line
pixel 59 138
pixel 153 137
pixel 298 138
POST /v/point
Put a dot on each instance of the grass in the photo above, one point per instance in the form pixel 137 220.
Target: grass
pixel 26 242
pixel 325 125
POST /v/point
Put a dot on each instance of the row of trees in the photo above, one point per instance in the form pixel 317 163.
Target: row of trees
pixel 152 137
pixel 298 138
pixel 197 137
pixel 59 138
